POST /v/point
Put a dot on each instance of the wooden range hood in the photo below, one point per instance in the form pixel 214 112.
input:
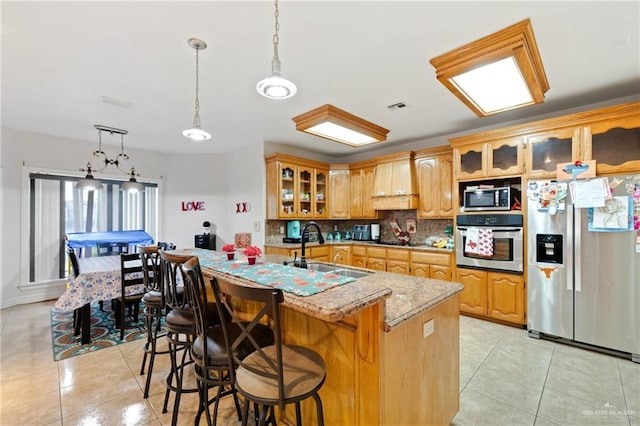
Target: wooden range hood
pixel 394 186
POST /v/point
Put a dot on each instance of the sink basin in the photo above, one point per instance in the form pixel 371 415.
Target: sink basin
pixel 347 272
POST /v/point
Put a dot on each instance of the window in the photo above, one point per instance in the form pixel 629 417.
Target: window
pixel 56 208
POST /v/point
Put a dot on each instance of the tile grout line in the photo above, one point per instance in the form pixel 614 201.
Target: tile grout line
pixel 624 394
pixel 546 377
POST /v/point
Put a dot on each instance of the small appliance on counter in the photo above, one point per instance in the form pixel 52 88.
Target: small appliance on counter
pixel 361 232
pixel 206 240
pixel 375 231
pixel 293 232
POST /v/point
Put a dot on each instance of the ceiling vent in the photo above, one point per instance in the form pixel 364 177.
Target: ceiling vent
pixel 397 106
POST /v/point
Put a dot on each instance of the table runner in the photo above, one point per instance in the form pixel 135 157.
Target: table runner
pixel 299 281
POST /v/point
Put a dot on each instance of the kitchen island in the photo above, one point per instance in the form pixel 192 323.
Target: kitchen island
pixel 390 343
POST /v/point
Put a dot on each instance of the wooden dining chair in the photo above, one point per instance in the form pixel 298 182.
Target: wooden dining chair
pixel 271 376
pixel 75 270
pixel 131 275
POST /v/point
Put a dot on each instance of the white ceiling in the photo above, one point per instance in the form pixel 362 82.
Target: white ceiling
pixel 60 58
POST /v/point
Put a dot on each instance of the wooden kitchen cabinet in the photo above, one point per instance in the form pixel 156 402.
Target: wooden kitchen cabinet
pixel 376 258
pixel 398 261
pixel 506 297
pixel 341 254
pixel 547 149
pixel 434 172
pixel 296 188
pixel 359 256
pixel 320 253
pixel 362 175
pixel 494 158
pixel 431 265
pixel 473 299
pixel 394 186
pixel 340 202
pixel 614 144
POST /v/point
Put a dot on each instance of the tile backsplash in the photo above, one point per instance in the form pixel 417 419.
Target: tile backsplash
pixel 424 227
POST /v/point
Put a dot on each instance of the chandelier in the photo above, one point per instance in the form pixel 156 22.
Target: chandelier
pixel 90 183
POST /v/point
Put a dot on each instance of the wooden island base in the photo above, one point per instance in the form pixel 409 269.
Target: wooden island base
pixel 378 377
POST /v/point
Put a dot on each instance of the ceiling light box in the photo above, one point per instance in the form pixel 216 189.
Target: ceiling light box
pixel 496 73
pixel 337 125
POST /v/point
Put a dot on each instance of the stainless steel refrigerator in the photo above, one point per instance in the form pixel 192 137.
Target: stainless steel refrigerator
pixel 583 276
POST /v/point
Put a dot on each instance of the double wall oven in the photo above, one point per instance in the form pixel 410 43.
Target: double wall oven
pixel 507 234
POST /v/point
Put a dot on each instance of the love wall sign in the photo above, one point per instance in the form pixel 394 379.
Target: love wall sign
pixel 192 206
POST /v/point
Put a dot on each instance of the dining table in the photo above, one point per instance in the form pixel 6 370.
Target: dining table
pixel 99 280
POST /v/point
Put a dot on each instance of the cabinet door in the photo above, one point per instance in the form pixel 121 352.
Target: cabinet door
pixel 615 145
pixel 376 264
pixel 470 161
pixel 473 298
pixel 368 177
pixel 320 253
pixel 305 191
pixel 544 151
pixel 420 269
pixel 506 297
pixel 445 178
pixel 440 272
pixel 340 200
pixel 398 266
pixel 505 157
pixel 288 190
pixel 359 261
pixel 356 192
pixel 341 255
pixel 321 193
pixel 428 187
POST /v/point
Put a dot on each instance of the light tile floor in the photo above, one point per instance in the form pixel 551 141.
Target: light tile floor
pixel 506 378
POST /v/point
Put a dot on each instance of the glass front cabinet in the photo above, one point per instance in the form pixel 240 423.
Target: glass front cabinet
pixel 548 149
pixel 296 190
pixel 496 158
pixel 614 145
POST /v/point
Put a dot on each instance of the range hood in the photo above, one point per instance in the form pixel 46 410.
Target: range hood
pixel 394 186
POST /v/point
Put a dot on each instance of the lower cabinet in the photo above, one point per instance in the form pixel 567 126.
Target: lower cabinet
pixel 431 265
pixel 319 253
pixel 377 258
pixel 494 295
pixel 398 261
pixel 341 255
pixel 359 256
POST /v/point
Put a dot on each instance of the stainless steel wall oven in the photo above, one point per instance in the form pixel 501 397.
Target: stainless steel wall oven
pixel 507 248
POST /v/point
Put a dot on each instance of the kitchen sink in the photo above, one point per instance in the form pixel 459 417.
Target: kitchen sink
pixel 347 272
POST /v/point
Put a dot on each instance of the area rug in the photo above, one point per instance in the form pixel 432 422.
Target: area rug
pixel 103 332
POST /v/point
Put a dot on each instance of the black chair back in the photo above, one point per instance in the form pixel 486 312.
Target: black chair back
pixel 173 282
pixel 151 269
pixel 74 261
pixel 243 342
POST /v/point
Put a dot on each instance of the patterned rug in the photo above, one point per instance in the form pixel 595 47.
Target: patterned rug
pixel 103 332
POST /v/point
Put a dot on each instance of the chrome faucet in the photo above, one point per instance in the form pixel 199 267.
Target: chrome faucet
pixel 335 258
pixel 305 238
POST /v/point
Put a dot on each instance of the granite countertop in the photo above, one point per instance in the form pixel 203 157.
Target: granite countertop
pixel 404 296
pixel 423 247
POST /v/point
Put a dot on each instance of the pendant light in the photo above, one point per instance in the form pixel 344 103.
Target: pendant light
pixel 196 133
pixel 275 86
pixel 89 183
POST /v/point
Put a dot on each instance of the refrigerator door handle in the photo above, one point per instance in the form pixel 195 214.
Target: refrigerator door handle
pixel 577 229
pixel 569 252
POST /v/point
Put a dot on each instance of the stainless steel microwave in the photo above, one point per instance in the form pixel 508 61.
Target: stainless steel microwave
pixel 486 199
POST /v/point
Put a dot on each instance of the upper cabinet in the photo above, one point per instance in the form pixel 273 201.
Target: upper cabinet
pixel 434 170
pixel 484 159
pixel 614 144
pixel 394 186
pixel 610 136
pixel 296 188
pixel 362 175
pixel 339 204
pixel 546 150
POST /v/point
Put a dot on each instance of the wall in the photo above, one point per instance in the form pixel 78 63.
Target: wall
pixel 218 180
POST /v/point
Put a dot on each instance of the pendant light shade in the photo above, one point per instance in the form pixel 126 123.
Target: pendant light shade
pixel 276 86
pixel 89 183
pixel 132 185
pixel 196 133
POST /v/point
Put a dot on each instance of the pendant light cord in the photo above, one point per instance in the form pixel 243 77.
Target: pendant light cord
pixel 196 117
pixel 276 39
